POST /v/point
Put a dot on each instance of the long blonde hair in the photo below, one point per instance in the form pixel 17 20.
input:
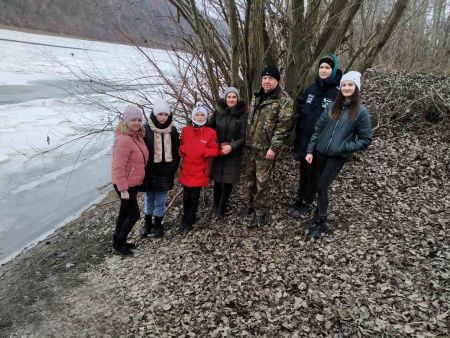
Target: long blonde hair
pixel 122 128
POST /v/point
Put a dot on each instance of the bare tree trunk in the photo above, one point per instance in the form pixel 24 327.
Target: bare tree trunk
pixel 368 57
pixel 436 23
pixel 234 42
pixel 295 50
pixel 255 43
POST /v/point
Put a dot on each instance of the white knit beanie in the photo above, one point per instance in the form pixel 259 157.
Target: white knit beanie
pixel 161 106
pixel 199 108
pixel 353 76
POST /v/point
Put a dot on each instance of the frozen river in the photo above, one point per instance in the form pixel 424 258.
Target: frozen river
pixel 39 109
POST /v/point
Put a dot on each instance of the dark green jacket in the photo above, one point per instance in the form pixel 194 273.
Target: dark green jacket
pixel 269 121
pixel 341 137
pixel 230 125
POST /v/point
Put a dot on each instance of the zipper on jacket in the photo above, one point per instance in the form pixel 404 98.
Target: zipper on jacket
pixel 334 130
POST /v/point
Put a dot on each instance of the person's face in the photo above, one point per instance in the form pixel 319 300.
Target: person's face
pixel 268 83
pixel 348 88
pixel 199 118
pixel 231 99
pixel 134 124
pixel 324 71
pixel 162 117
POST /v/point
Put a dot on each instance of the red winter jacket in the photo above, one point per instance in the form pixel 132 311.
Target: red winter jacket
pixel 130 154
pixel 197 145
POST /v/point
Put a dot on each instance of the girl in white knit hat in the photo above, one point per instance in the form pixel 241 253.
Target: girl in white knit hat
pixel 162 140
pixel 343 128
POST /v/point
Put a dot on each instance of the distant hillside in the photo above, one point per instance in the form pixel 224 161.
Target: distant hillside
pixel 146 21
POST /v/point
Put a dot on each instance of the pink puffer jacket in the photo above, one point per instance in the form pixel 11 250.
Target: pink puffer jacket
pixel 130 155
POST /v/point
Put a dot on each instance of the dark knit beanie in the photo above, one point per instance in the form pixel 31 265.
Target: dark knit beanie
pixel 327 59
pixel 271 71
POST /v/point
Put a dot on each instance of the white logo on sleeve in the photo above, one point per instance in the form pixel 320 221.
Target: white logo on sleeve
pixel 310 99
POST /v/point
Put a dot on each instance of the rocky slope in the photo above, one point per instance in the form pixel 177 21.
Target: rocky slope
pixel 147 22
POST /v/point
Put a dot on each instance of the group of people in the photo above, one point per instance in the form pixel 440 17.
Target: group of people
pixel 330 125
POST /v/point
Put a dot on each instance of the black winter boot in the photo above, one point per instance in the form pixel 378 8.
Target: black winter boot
pixel 256 222
pixel 159 227
pixel 319 228
pixel 300 210
pixel 246 211
pixel 224 199
pixel 217 193
pixel 147 228
pixel 216 211
pixel 120 248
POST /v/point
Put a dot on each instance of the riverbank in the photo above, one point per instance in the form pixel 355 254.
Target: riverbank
pixel 382 270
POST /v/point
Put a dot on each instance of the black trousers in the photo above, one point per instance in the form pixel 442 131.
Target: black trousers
pixel 128 213
pixel 307 181
pixel 221 193
pixel 191 198
pixel 328 168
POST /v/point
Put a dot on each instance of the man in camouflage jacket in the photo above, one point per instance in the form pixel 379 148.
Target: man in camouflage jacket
pixel 268 127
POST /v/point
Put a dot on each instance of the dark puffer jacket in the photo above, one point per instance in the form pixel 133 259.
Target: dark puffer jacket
pixel 341 137
pixel 309 108
pixel 160 176
pixel 230 125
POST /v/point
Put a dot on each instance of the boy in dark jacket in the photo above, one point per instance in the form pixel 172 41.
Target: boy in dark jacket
pixel 198 144
pixel 309 108
pixel 162 140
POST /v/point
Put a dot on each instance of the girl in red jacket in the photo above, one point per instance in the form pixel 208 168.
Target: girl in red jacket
pixel 198 144
pixel 130 155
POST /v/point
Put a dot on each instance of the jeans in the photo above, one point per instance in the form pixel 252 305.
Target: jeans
pixel 155 203
pixel 191 198
pixel 128 213
pixel 328 168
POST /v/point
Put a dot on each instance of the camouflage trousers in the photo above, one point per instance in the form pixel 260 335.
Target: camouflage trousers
pixel 258 174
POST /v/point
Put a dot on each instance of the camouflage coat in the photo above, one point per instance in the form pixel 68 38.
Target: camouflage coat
pixel 270 119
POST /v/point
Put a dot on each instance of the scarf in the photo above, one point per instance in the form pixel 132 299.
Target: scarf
pixel 158 135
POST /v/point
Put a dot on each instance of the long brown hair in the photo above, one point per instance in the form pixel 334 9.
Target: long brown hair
pixel 353 109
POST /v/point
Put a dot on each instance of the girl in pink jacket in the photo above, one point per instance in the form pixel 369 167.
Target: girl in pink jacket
pixel 130 156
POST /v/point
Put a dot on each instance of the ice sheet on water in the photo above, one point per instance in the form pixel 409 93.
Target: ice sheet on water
pixel 53 187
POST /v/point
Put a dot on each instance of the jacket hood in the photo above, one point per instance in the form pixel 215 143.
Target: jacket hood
pixel 331 81
pixel 237 110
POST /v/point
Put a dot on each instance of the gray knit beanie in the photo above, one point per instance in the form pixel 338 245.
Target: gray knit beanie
pixel 230 90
